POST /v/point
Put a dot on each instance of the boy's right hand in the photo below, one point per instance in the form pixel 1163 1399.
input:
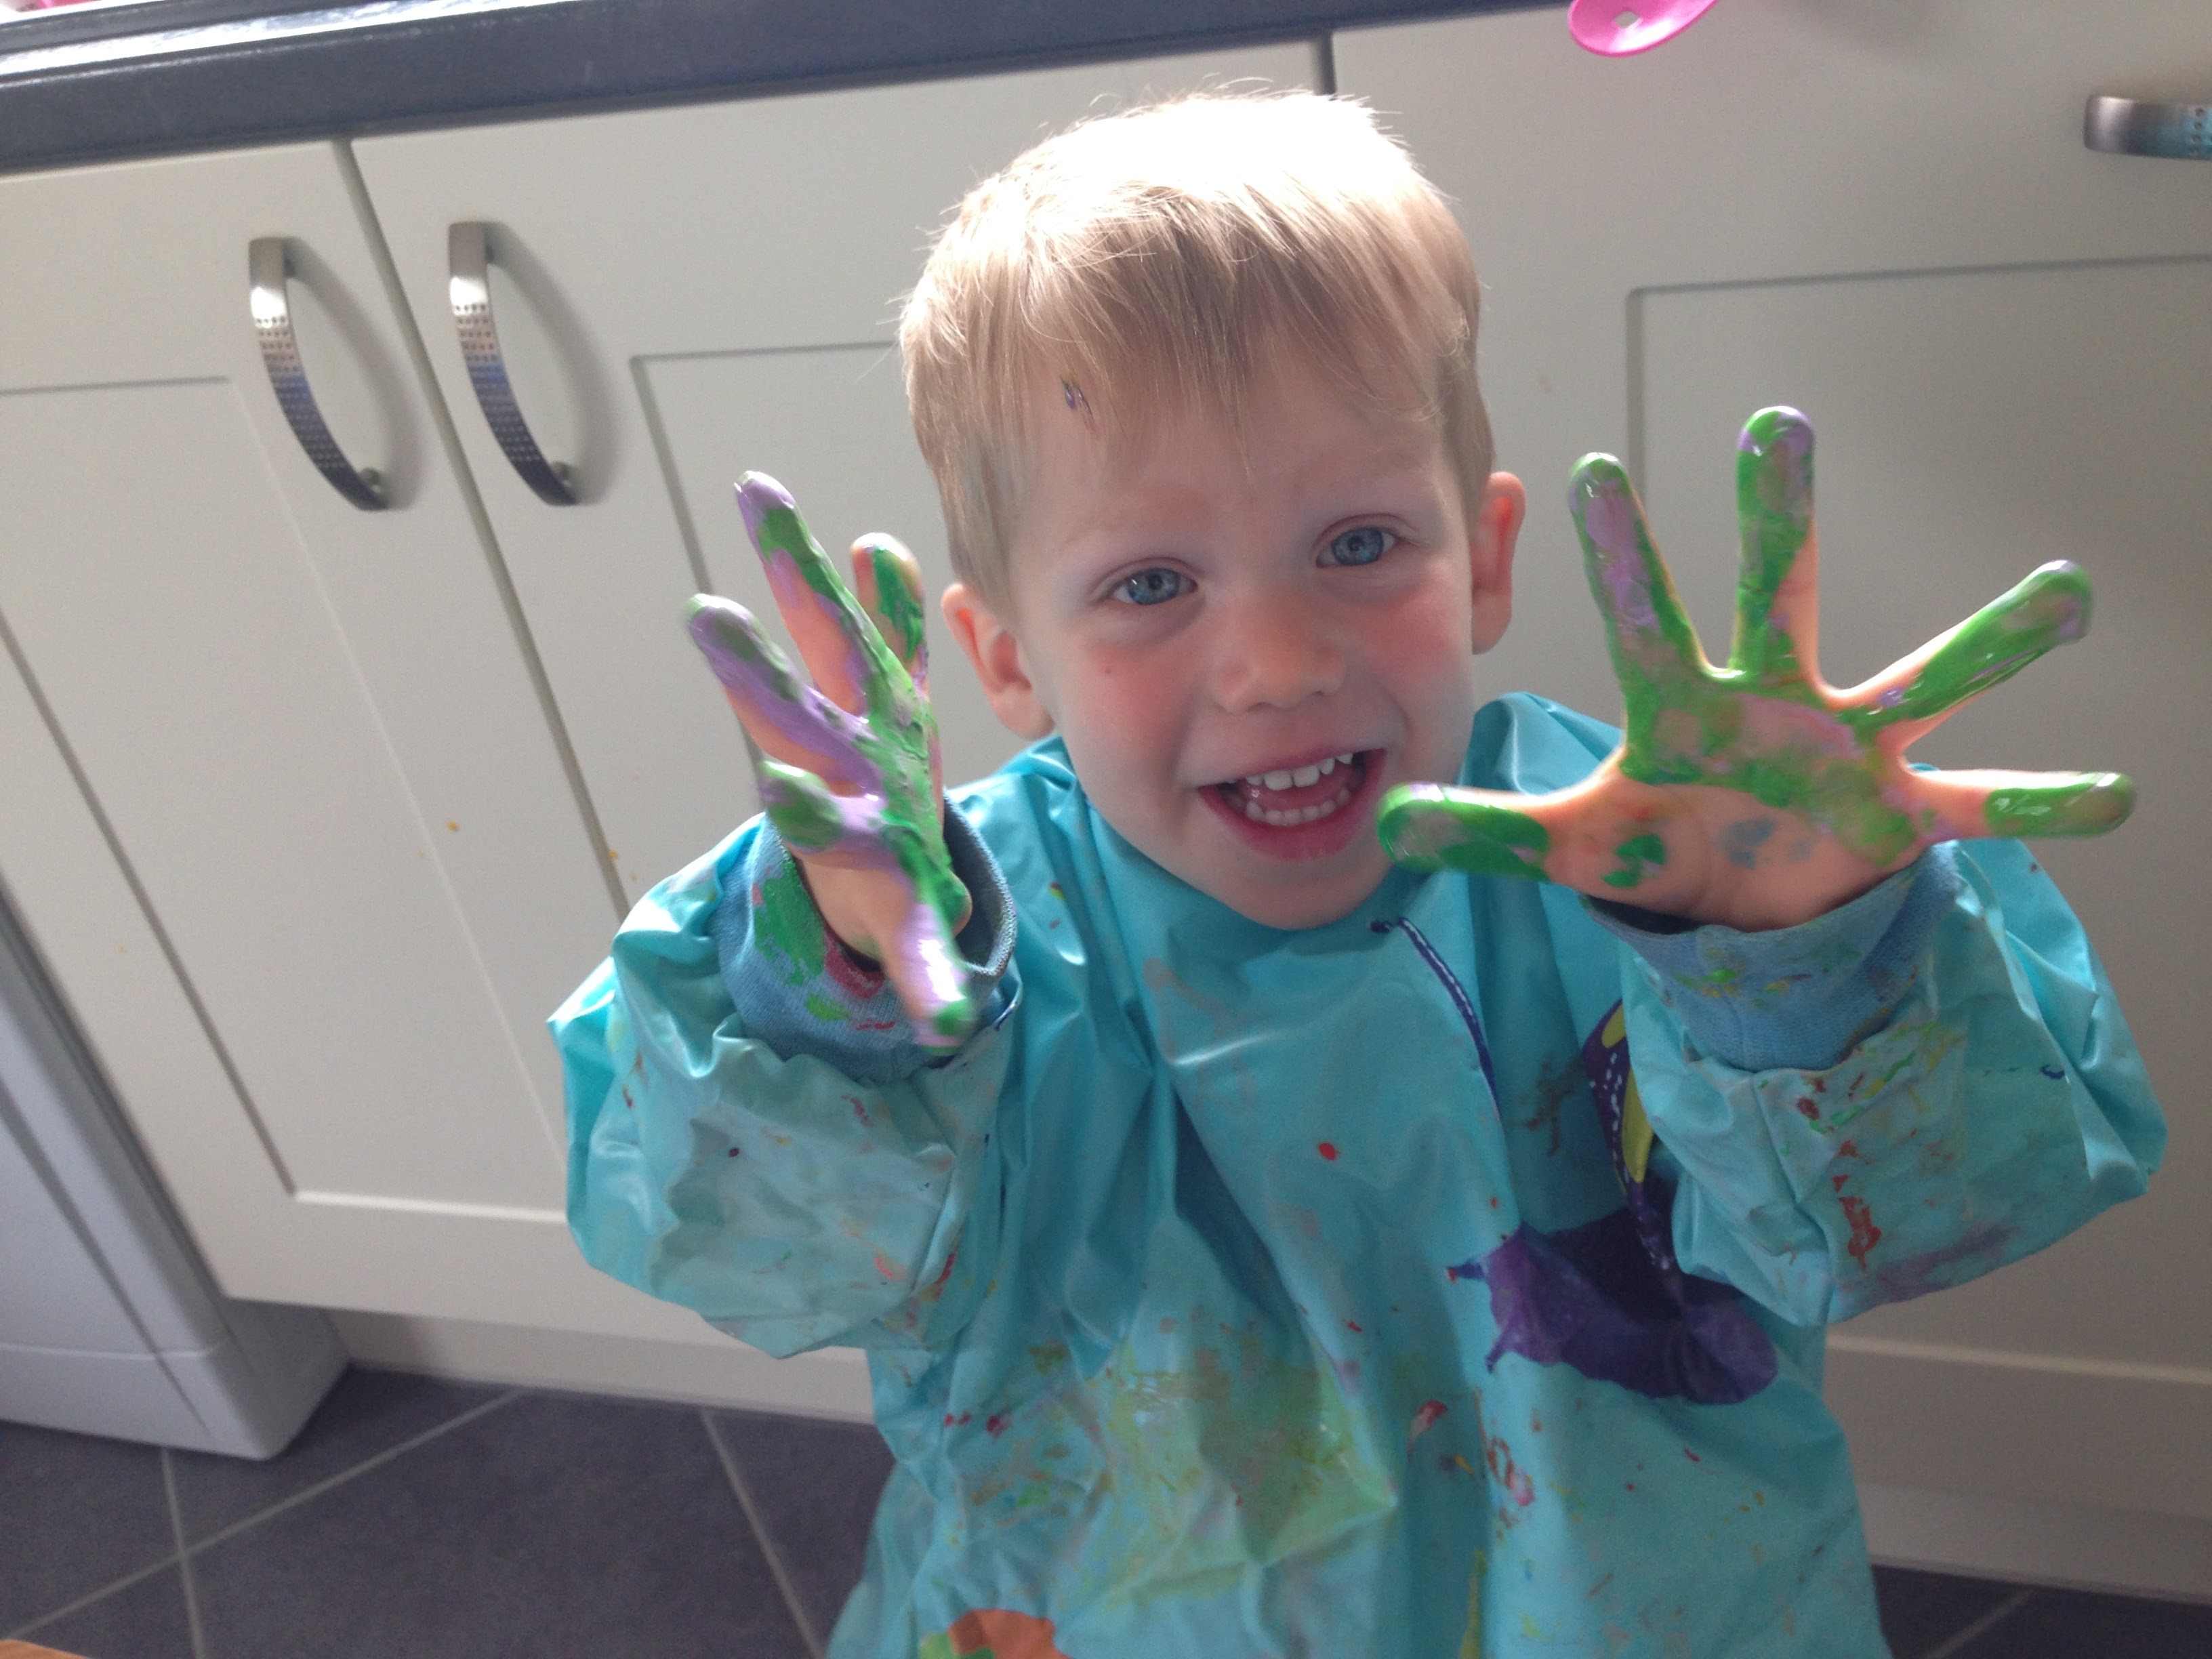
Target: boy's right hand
pixel 851 776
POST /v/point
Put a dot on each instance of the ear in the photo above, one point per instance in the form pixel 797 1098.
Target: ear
pixel 996 656
pixel 1491 535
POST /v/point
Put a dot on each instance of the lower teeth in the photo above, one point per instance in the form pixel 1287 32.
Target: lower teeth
pixel 1281 820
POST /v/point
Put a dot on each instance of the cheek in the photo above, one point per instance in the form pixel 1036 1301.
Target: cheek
pixel 1426 655
pixel 1430 639
pixel 1122 718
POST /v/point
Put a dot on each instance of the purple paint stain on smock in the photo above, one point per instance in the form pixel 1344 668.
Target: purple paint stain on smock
pixel 1609 1297
pixel 1591 1299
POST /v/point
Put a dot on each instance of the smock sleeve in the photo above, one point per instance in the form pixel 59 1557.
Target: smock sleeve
pixel 753 1135
pixel 1896 1097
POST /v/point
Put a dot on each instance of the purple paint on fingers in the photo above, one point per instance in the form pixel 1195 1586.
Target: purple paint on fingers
pixel 1790 433
pixel 773 696
pixel 758 495
pixel 1610 519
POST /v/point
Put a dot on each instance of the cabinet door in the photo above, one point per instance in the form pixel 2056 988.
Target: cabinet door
pixel 1886 217
pixel 285 812
pixel 685 295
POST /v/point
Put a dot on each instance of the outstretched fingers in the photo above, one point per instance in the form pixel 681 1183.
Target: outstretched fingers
pixel 1778 593
pixel 787 718
pixel 2050 608
pixel 843 652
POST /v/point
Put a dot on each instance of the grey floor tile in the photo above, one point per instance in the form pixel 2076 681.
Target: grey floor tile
pixel 76 1512
pixel 2072 1625
pixel 815 1485
pixel 144 1620
pixel 367 1413
pixel 1920 1611
pixel 550 1527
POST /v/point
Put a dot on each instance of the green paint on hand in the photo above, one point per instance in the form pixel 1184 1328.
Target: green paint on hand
pixel 2086 805
pixel 1763 725
pixel 803 813
pixel 1774 521
pixel 899 605
pixel 1757 725
pixel 2050 608
pixel 1427 826
pixel 1638 855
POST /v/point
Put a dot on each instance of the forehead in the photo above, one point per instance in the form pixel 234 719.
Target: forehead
pixel 1142 431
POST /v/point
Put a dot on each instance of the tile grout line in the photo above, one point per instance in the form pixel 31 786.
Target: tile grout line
pixel 340 1479
pixel 1997 1615
pixel 84 1602
pixel 184 1563
pixel 775 1566
pixel 181 1557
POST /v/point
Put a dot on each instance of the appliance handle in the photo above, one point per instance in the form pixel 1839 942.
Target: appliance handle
pixel 2122 126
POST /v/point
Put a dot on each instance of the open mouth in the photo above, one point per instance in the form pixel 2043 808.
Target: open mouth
pixel 1307 794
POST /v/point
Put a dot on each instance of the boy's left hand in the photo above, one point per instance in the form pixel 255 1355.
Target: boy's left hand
pixel 1758 795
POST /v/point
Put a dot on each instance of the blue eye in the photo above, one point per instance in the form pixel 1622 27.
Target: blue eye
pixel 1363 545
pixel 1153 586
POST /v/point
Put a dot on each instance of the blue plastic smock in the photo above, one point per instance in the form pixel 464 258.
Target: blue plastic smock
pixel 1448 1279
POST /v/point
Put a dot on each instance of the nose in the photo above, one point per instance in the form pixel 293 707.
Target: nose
pixel 1271 649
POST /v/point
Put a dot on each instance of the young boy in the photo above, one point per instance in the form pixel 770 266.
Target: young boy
pixel 1262 1249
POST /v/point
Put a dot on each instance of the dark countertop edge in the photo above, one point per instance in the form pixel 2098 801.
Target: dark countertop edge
pixel 601 54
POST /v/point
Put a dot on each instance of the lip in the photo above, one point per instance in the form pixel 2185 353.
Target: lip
pixel 1299 843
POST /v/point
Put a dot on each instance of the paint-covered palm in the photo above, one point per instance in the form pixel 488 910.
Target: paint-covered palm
pixel 1757 795
pixel 850 776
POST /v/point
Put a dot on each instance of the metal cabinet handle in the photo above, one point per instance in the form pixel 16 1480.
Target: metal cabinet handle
pixel 269 265
pixel 2122 126
pixel 469 254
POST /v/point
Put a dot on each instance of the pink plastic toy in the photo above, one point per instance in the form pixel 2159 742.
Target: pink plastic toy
pixel 1617 28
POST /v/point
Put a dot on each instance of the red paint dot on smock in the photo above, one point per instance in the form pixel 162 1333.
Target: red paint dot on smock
pixel 1328 1151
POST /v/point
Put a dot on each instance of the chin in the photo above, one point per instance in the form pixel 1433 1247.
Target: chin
pixel 1300 900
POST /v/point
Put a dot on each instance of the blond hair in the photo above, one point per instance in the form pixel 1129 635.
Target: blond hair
pixel 1160 258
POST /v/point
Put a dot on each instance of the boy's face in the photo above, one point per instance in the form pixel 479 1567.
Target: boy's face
pixel 1244 645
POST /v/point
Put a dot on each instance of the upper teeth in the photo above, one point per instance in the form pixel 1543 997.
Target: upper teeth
pixel 1300 778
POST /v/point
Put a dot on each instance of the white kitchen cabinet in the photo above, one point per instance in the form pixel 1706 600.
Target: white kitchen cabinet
pixel 290 806
pixel 1887 217
pixel 282 807
pixel 685 295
